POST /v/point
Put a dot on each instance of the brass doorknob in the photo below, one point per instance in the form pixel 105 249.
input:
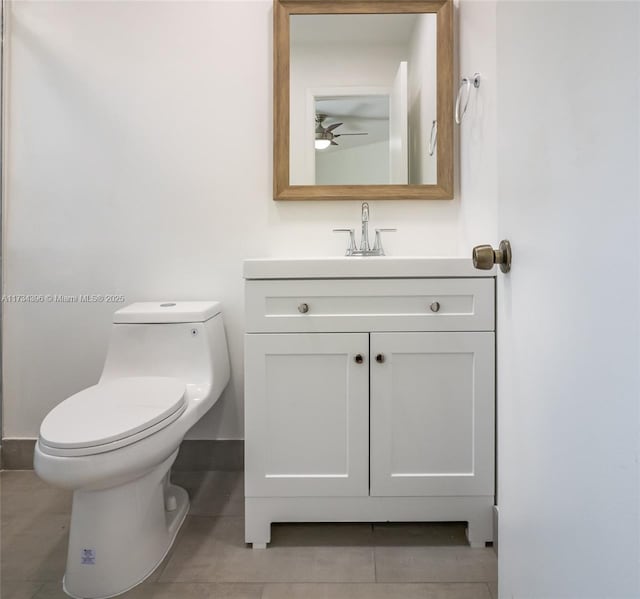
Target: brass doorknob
pixel 484 256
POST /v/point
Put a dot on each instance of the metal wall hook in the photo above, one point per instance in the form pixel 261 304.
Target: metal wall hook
pixel 465 84
pixel 433 138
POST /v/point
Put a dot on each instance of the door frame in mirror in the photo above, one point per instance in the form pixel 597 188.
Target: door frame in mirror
pixel 282 189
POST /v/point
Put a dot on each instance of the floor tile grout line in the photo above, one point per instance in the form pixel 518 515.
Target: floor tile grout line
pixel 329 584
pixel 433 582
pixel 325 582
pixel 348 583
pixel 375 556
pixel 213 517
pixel 375 563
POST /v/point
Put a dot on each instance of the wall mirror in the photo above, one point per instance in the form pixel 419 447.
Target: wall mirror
pixel 363 99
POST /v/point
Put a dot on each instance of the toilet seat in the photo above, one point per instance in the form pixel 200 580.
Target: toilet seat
pixel 111 415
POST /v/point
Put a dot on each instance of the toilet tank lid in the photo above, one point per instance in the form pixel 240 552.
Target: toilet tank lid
pixel 167 312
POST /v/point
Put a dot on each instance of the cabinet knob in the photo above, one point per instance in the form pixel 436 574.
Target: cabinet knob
pixel 380 358
pixel 303 308
pixel 435 307
pixel 359 359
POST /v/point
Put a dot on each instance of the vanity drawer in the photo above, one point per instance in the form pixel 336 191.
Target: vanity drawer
pixel 321 305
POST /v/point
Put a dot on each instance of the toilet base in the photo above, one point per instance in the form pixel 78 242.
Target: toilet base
pixel 119 536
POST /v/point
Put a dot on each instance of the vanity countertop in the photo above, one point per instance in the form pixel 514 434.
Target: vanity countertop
pixel 361 267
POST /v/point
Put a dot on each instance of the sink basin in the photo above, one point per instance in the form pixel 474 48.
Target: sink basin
pixel 360 267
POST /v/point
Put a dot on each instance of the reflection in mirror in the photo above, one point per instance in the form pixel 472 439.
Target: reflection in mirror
pixel 352 140
pixel 362 99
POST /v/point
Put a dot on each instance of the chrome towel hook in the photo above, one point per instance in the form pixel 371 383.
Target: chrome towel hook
pixel 465 85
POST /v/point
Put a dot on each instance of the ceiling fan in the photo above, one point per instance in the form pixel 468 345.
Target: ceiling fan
pixel 325 136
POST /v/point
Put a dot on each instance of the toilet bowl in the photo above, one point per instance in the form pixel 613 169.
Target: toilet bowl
pixel 113 444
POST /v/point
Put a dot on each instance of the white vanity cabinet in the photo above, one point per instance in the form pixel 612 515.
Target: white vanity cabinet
pixel 432 404
pixel 307 428
pixel 369 398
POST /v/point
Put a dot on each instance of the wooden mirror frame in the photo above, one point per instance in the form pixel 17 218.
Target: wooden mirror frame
pixel 282 189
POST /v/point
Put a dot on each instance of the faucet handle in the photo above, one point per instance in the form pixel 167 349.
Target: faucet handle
pixel 377 246
pixel 352 240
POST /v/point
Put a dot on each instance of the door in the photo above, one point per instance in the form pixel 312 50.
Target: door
pixel 307 425
pixel 432 414
pixel 398 128
pixel 568 312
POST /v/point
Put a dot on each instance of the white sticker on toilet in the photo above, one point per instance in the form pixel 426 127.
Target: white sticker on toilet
pixel 88 557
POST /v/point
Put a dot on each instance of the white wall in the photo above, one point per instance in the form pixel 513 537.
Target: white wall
pixel 139 162
pixel 569 312
pixel 478 183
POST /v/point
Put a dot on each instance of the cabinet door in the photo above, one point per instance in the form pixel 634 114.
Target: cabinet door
pixel 306 414
pixel 432 414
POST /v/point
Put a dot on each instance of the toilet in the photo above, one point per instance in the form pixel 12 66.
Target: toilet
pixel 113 444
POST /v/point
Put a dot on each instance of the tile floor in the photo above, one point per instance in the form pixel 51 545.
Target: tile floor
pixel 209 560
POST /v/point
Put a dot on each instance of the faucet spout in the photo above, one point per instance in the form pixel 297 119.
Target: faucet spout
pixel 364 241
pixel 365 247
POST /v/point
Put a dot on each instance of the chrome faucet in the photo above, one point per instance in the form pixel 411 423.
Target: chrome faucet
pixel 365 247
pixel 364 240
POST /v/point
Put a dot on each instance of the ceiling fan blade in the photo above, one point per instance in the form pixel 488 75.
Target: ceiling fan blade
pixel 334 126
pixel 333 143
pixel 351 134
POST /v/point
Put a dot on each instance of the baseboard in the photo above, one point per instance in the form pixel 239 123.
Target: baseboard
pixel 17 454
pixel 210 455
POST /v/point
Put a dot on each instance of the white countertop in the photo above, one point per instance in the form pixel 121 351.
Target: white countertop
pixel 359 267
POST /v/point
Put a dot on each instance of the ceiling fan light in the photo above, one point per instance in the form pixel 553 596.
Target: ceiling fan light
pixel 322 144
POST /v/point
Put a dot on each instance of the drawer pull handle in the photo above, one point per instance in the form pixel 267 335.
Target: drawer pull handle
pixel 380 358
pixel 303 308
pixel 435 307
pixel 359 359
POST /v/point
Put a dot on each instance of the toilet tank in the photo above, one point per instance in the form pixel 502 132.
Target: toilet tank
pixel 185 340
